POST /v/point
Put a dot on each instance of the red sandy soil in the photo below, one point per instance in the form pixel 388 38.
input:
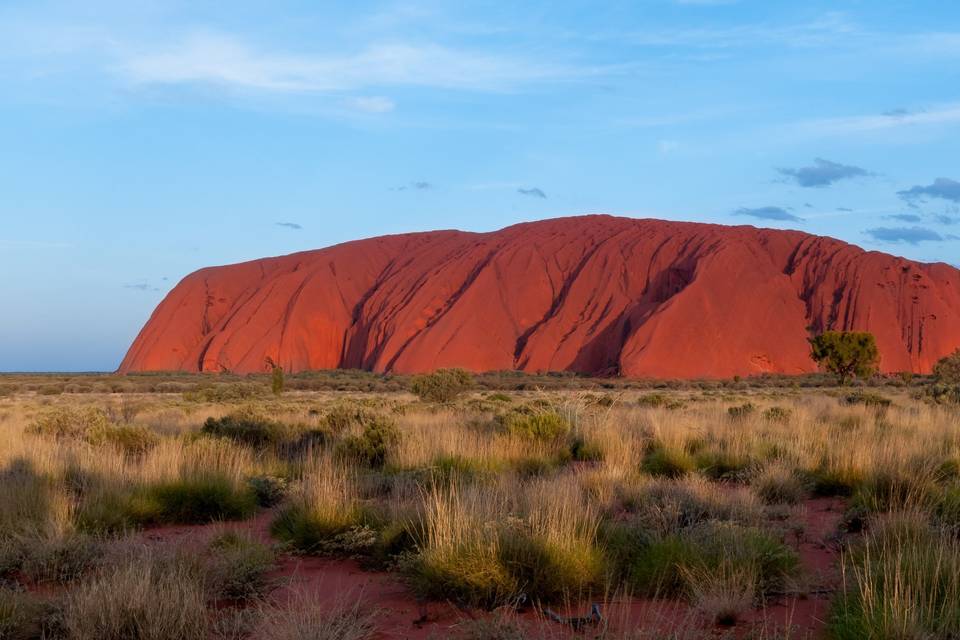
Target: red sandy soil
pixel 328 582
pixel 594 294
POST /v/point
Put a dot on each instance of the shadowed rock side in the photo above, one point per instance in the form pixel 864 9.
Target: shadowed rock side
pixel 596 294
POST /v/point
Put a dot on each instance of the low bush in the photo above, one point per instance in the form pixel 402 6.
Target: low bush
pixel 721 463
pixel 741 411
pixel 372 445
pixel 534 424
pixel 868 399
pixel 584 450
pixel 247 427
pixel 344 416
pixel 195 500
pixel 70 423
pixel 668 462
pixel 777 414
pixel 192 500
pixel 443 385
pixel 237 567
pixel 130 439
pixel 268 490
pixel 224 392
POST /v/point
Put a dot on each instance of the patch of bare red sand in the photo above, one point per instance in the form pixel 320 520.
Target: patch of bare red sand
pixel 329 583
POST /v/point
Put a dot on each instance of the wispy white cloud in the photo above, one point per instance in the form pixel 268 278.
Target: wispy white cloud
pixel 899 118
pixel 372 104
pixel 220 59
pixel 831 28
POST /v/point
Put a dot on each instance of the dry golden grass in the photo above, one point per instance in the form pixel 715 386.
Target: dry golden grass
pixel 471 509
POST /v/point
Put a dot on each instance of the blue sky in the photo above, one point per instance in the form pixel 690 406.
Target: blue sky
pixel 142 140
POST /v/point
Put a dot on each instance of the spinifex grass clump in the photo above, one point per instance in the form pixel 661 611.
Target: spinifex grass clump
pixel 903 581
pixel 670 565
pixel 488 547
pixel 140 599
pixel 667 462
pixel 324 510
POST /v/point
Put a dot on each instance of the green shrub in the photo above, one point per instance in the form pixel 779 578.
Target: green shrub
pixel 721 463
pixel 653 400
pixel 583 450
pixel 868 399
pixel 371 447
pixel 237 567
pixel 130 439
pixel 276 380
pixel 667 462
pixel 947 370
pixel 193 500
pixel 545 426
pixel 741 411
pixel 341 417
pixel 269 490
pixel 200 499
pixel 835 481
pixel 777 414
pixel 224 392
pixel 443 385
pixel 76 423
pixel 246 427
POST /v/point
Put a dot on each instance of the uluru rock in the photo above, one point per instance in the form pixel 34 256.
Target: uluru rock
pixel 593 294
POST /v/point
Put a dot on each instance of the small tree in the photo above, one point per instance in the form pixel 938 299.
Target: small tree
pixel 947 369
pixel 276 380
pixel 846 354
pixel 443 385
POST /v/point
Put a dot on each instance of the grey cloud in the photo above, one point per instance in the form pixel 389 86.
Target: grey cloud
pixel 420 185
pixel 945 219
pixel 140 286
pixel 906 217
pixel 823 173
pixel 767 213
pixel 847 209
pixel 289 225
pixel 533 192
pixel 897 113
pixel 910 235
pixel 943 188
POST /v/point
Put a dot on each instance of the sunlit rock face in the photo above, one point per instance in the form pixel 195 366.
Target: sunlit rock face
pixel 594 294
